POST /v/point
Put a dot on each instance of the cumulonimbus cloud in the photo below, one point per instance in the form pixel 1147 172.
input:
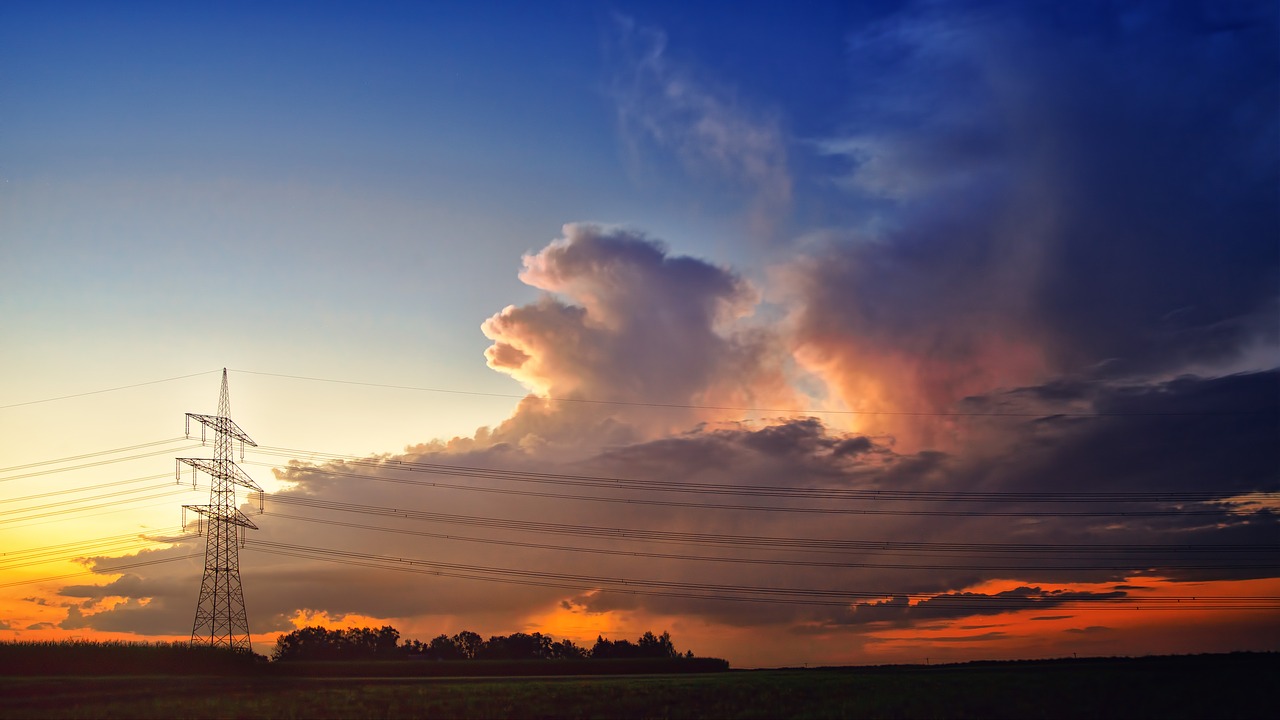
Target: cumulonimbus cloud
pixel 1095 198
pixel 624 321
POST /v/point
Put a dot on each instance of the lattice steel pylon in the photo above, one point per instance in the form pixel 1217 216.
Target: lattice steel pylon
pixel 221 620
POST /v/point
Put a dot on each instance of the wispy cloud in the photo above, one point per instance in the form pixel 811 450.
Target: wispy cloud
pixel 663 104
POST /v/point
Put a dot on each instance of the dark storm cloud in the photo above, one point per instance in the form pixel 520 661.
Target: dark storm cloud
pixel 154 603
pixel 946 606
pixel 124 586
pixel 1207 449
pixel 1059 188
pixel 1211 434
pixel 133 616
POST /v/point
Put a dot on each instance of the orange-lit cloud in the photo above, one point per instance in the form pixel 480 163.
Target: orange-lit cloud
pixel 625 321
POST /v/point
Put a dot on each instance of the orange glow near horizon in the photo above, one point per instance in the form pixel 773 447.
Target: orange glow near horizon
pixel 576 623
pixel 1097 629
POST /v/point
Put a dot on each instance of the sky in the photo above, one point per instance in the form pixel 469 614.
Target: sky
pixel 829 333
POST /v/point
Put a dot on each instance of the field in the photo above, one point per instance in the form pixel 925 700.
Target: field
pixel 1168 687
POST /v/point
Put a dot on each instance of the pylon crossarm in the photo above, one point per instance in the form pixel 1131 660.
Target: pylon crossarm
pixel 214 515
pixel 224 470
pixel 225 425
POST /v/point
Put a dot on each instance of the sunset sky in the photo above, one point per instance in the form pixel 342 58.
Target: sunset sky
pixel 826 333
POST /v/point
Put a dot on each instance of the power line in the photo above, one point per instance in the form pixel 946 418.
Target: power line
pixel 660 405
pixel 99 463
pixel 84 488
pixel 766 508
pixel 65 547
pixel 74 501
pixel 786 491
pixel 787 411
pixel 63 512
pixel 60 517
pixel 93 454
pixel 98 548
pixel 113 571
pixel 789 562
pixel 107 390
pixel 750 593
pixel 766 542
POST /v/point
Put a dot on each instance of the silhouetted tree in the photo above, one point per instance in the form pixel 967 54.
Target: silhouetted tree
pixel 443 647
pixel 318 643
pixel 648 646
pixel 518 646
pixel 612 649
pixel 468 643
pixel 657 647
pixel 566 650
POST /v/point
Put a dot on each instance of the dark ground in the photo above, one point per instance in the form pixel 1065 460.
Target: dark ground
pixel 1203 686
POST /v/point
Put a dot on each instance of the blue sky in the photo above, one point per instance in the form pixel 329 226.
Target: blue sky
pixel 879 214
pixel 323 170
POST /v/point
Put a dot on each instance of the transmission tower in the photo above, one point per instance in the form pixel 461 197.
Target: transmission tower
pixel 221 620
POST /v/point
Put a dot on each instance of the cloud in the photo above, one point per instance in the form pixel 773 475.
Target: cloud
pixel 662 103
pixel 662 528
pixel 625 321
pixel 1056 191
pixel 899 611
pixel 1090 630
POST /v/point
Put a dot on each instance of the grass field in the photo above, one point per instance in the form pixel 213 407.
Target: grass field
pixel 1174 687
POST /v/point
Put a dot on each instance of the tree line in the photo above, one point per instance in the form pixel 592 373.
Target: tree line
pixel 318 643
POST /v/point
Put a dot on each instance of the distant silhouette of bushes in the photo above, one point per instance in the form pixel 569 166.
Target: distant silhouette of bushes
pixel 321 644
pixel 497 668
pixel 320 652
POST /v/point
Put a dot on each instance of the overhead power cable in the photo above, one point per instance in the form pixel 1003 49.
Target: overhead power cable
pixel 91 549
pixel 114 570
pixel 767 542
pixel 1181 512
pixel 789 562
pixel 756 490
pixel 112 451
pixel 62 504
pixel 116 505
pixel 751 593
pixel 733 408
pixel 107 390
pixel 158 536
pixel 129 506
pixel 99 463
pixel 84 488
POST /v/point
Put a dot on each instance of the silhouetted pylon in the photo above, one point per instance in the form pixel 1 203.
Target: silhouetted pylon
pixel 221 620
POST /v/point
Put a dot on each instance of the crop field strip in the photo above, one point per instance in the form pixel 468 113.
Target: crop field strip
pixel 1163 687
